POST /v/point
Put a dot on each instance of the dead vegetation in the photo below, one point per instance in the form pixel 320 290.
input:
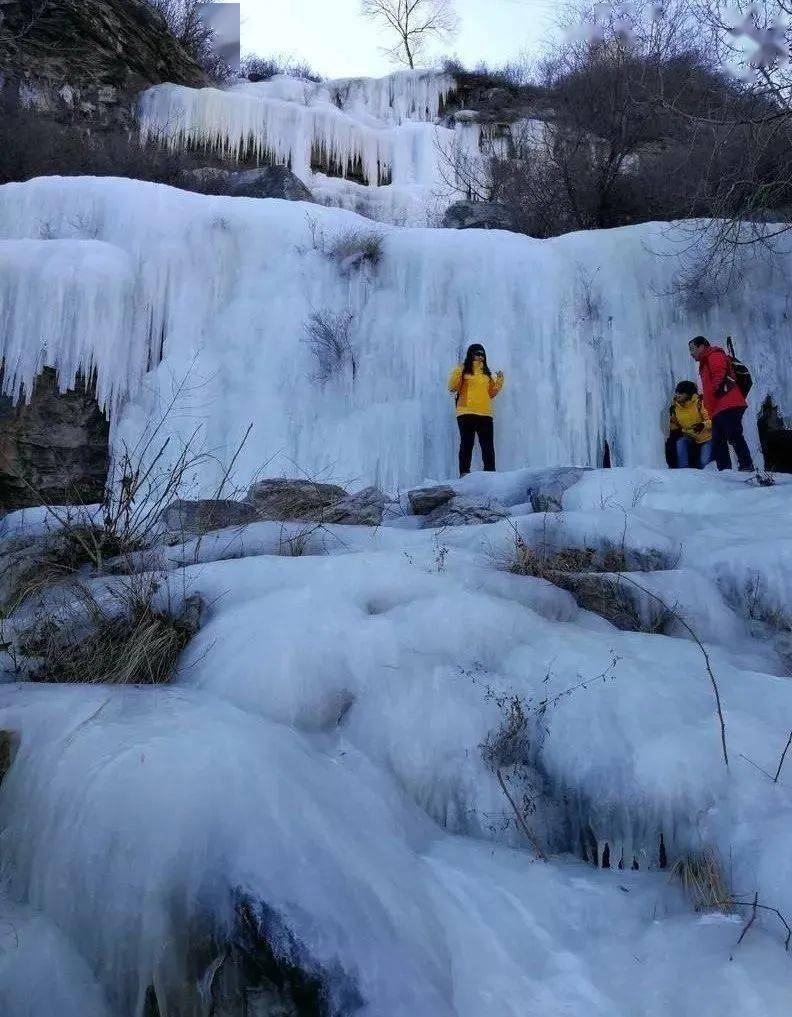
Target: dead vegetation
pixel 125 637
pixel 703 880
pixel 594 578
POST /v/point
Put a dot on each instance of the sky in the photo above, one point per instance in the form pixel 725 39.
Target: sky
pixel 337 42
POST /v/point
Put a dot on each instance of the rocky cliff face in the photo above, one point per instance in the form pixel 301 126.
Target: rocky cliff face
pixel 54 449
pixel 79 65
pixel 88 58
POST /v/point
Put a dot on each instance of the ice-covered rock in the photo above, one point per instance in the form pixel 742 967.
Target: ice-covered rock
pixel 546 487
pixel 284 499
pixel 265 182
pixel 424 500
pixel 463 510
pixel 366 508
pixel 479 215
pixel 207 514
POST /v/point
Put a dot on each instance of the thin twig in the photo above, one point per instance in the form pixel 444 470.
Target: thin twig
pixel 783 756
pixel 520 818
pixel 685 625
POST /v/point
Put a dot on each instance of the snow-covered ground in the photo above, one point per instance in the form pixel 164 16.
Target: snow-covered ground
pixel 320 752
pixel 588 328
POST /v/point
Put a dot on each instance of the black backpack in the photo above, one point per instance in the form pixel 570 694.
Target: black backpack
pixel 742 375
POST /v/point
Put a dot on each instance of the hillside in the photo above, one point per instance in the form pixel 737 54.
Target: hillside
pixel 294 723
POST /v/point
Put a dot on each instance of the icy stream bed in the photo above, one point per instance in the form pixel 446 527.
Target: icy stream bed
pixel 319 752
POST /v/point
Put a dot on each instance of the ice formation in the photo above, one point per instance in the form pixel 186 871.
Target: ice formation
pixel 152 286
pixel 382 132
pixel 337 778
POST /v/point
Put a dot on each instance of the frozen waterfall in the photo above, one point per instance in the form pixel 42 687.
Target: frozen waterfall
pixel 587 327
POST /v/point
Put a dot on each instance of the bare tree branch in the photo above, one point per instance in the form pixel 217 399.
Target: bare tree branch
pixel 415 22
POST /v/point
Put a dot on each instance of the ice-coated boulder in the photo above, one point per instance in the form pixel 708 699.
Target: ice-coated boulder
pixel 283 499
pixel 462 511
pixel 424 500
pixel 207 514
pixel 479 215
pixel 265 182
pixel 546 487
pixel 362 509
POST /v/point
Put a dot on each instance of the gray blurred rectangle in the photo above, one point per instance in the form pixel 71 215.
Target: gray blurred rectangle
pixel 225 20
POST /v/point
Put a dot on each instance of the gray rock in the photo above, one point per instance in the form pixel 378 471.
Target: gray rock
pixel 270 182
pixel 479 215
pixel 546 488
pixel 283 499
pixel 461 511
pixel 207 514
pixel 362 509
pixel 9 743
pixel 266 182
pixel 424 500
pixel 54 448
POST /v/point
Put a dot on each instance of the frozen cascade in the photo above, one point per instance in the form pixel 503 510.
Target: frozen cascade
pixel 383 130
pixel 585 326
pixel 346 123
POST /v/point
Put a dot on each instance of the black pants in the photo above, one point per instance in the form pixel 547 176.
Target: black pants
pixel 727 430
pixel 470 425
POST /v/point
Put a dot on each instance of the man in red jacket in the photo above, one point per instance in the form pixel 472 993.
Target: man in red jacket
pixel 724 402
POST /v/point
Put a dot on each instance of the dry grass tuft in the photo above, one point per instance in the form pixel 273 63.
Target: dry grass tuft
pixel 126 640
pixel 592 577
pixel 703 880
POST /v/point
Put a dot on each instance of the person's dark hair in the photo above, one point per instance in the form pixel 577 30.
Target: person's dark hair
pixel 688 388
pixel 467 367
pixel 699 341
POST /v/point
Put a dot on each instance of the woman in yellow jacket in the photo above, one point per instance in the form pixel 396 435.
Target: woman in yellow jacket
pixel 690 427
pixel 475 388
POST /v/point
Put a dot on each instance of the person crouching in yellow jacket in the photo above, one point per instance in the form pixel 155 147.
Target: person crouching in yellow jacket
pixel 475 388
pixel 690 427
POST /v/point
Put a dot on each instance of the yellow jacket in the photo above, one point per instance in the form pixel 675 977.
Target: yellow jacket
pixel 476 391
pixel 685 417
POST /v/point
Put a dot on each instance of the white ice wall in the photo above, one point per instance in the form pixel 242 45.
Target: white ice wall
pixel 383 129
pixel 586 327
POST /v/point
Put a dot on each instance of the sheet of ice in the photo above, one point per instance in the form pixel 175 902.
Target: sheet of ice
pixel 41 975
pixel 331 768
pixel 229 284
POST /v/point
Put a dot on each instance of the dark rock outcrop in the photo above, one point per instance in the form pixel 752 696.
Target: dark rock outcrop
pixel 203 515
pixel 776 439
pixel 89 58
pixel 466 511
pixel 365 508
pixel 53 449
pixel 479 215
pixel 424 500
pixel 266 182
pixel 282 499
pixel 9 743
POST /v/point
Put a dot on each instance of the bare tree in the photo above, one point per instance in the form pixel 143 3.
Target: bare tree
pixel 415 22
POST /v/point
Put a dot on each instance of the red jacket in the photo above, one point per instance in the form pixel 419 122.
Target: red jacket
pixel 714 366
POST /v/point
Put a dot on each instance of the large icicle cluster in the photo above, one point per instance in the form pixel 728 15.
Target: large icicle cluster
pixel 380 130
pixel 72 305
pixel 587 327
